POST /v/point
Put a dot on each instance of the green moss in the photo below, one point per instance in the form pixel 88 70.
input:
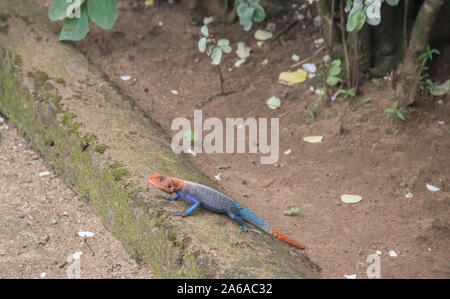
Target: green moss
pixel 89 138
pixel 39 77
pixel 100 148
pixel 61 81
pixel 4 29
pixel 119 174
pixel 4 17
pixel 18 60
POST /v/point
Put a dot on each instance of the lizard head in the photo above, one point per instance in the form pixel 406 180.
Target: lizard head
pixel 164 183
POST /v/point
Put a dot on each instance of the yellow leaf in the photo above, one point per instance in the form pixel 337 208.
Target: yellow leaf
pixel 149 2
pixel 313 139
pixel 291 78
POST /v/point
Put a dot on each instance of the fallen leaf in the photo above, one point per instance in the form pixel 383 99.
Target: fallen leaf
pixel 243 51
pixel 288 152
pixel 125 78
pixel 263 34
pixel 274 102
pixel 291 78
pixel 392 253
pixel 309 67
pixel 291 211
pixel 432 188
pixel 85 234
pixel 238 63
pixel 348 198
pixel 217 177
pixel 313 139
pixel 149 2
pixel 441 89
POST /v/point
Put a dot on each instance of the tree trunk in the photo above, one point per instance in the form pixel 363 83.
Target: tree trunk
pixel 412 66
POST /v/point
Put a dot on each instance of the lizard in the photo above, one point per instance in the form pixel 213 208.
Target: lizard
pixel 200 195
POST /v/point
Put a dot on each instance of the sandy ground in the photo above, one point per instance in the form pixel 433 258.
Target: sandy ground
pixel 40 217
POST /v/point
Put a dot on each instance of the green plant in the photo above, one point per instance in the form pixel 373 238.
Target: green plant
pixel 395 111
pixel 249 11
pixel 362 11
pixel 376 82
pixel 427 55
pixel 333 72
pixel 291 211
pixel 78 13
pixel 347 92
pixel 214 49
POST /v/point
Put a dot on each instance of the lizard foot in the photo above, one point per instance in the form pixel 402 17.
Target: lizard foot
pixel 182 214
pixel 247 229
pixel 164 197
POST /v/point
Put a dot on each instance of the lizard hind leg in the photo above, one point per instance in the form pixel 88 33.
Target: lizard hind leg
pixel 244 226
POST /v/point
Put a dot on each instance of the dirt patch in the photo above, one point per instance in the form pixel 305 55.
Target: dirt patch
pixel 40 217
pixel 363 152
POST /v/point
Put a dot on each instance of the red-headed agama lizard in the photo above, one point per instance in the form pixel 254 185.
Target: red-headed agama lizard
pixel 199 195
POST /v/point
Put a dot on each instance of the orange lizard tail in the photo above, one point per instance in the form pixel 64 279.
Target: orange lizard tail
pixel 286 239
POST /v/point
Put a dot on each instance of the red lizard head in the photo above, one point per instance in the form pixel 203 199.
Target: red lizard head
pixel 164 183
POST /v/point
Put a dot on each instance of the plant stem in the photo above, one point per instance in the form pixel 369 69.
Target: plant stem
pixel 355 64
pixel 344 42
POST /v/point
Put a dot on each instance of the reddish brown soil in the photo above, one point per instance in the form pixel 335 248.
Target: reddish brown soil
pixel 363 151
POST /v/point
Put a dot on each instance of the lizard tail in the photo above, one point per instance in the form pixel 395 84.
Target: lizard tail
pixel 259 222
pixel 286 239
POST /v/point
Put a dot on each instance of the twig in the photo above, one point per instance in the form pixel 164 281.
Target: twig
pixel 309 58
pixel 324 84
pixel 221 80
pixel 286 29
pixel 331 23
pixel 344 43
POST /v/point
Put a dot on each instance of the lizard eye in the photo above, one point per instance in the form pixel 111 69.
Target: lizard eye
pixel 170 186
pixel 160 180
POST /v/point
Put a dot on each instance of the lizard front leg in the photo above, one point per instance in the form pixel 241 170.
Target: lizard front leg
pixel 189 198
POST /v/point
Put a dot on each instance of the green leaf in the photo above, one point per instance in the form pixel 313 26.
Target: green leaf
pixel 202 44
pixel 226 49
pixel 246 23
pixel 336 62
pixel 392 2
pixel 58 10
pixel 204 30
pixel 242 9
pixel 335 70
pixel 216 55
pixel 75 28
pixel 400 115
pixel 259 14
pixel 223 42
pixel 332 80
pixel 356 20
pixel 103 12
